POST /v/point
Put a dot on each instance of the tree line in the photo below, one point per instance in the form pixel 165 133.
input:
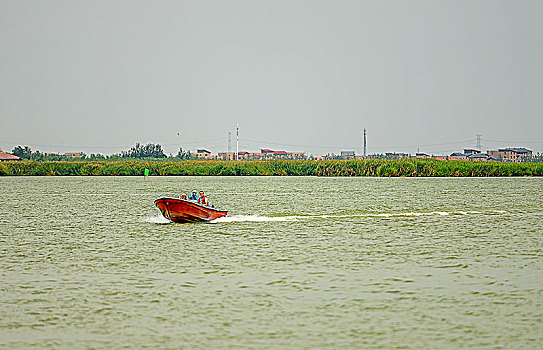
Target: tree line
pixel 138 152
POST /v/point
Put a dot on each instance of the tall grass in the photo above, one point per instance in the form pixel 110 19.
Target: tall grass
pixel 386 168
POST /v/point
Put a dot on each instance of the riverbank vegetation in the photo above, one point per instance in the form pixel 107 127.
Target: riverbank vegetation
pixel 383 168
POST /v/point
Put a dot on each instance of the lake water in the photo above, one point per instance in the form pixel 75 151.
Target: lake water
pixel 299 262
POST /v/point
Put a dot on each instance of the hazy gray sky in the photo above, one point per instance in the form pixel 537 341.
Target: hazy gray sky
pixel 98 76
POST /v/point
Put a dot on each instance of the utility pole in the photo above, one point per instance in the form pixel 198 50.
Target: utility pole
pixel 364 142
pixel 229 142
pixel 478 145
pixel 237 141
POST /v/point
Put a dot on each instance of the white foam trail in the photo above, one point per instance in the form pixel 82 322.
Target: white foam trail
pixel 257 218
pixel 382 215
pixel 159 219
pixel 254 218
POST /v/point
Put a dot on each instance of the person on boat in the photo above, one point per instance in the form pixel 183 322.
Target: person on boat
pixel 202 199
pixel 183 196
pixel 193 196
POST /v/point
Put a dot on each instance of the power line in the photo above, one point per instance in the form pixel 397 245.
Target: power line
pixel 430 144
pixel 196 142
pixel 192 142
pixel 290 144
pixel 106 147
pixel 486 140
pixel 343 147
pixel 60 146
pixel 229 142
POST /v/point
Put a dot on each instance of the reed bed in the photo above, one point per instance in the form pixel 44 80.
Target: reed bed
pixel 380 168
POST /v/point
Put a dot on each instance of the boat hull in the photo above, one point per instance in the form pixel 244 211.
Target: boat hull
pixel 184 211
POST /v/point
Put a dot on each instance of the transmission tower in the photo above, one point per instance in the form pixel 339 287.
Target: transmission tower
pixel 478 145
pixel 229 142
pixel 364 142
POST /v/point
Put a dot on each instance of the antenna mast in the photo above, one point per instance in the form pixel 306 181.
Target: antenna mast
pixel 364 142
pixel 237 141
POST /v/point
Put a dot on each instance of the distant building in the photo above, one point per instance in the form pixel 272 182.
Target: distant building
pixel 394 155
pixel 480 157
pixel 514 154
pixel 202 154
pixel 347 154
pixel 227 156
pixel 254 156
pixel 421 155
pixel 298 155
pixel 458 156
pixel 243 155
pixel 271 154
pixel 472 155
pixel 4 157
pixel 468 151
pixel 73 155
pixel 267 154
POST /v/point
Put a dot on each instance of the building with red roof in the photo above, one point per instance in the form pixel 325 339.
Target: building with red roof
pixel 8 157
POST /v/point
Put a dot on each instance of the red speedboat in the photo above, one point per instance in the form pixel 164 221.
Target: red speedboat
pixel 182 210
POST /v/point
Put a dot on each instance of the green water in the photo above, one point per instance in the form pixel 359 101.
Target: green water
pixel 334 263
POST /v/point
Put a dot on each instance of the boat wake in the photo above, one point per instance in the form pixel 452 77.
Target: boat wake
pixel 257 218
pixel 254 218
pixel 159 219
pixel 413 214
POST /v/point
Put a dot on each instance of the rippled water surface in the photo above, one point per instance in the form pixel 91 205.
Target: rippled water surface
pixel 88 262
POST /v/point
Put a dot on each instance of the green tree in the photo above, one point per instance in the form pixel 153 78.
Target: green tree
pixel 184 155
pixel 22 152
pixel 139 151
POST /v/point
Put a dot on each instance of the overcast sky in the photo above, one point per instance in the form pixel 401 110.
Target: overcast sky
pixel 99 76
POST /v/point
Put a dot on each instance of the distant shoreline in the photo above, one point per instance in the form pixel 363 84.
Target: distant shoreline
pixel 377 168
